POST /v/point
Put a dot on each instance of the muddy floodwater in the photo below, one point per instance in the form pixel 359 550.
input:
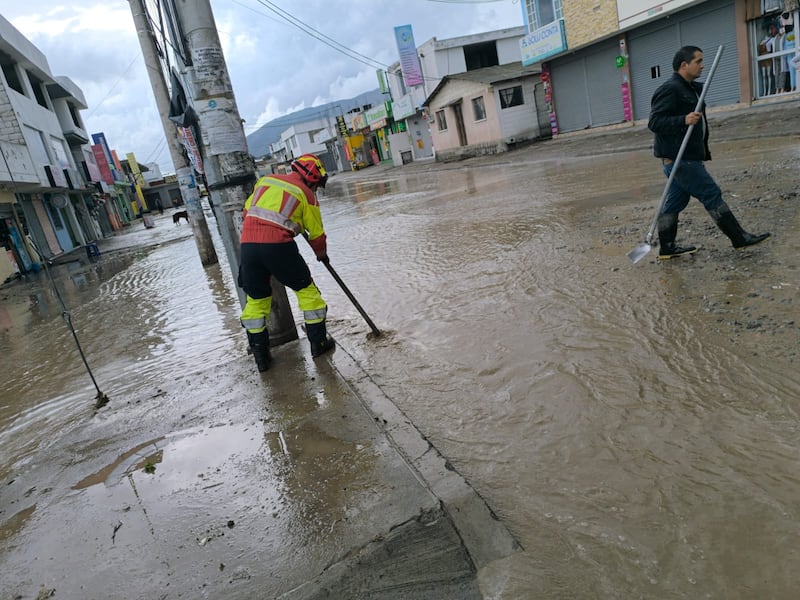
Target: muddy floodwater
pixel 634 426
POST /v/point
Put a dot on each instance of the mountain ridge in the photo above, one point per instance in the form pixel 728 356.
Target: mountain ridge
pixel 259 141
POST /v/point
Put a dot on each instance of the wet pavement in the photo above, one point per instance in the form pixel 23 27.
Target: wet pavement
pixel 201 478
pixel 540 419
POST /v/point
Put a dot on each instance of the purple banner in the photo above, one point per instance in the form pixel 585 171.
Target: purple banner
pixel 409 61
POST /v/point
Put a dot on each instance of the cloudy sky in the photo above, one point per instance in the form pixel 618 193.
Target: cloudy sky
pixel 275 67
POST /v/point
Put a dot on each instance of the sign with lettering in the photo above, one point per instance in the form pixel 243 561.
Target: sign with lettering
pixel 543 43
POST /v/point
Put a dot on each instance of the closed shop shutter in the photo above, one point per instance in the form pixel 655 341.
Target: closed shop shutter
pixel 605 86
pixel 652 47
pixel 586 88
pixel 569 95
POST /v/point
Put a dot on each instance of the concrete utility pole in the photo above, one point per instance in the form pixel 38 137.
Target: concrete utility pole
pixel 189 191
pixel 229 167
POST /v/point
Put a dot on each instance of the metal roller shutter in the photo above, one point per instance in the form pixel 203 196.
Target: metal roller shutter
pixel 605 81
pixel 587 89
pixel 652 47
pixel 570 96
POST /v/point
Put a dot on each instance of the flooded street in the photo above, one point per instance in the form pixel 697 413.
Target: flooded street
pixel 634 427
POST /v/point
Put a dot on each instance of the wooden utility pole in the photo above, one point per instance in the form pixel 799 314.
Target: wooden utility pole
pixel 229 167
pixel 189 191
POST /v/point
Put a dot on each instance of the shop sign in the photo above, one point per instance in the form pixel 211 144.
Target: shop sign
pixel 404 107
pixel 409 61
pixel 631 12
pixel 359 122
pixel 544 42
pixel 341 126
pixel 376 114
pixel 378 124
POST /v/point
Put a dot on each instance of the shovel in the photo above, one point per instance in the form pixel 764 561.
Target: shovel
pixel 643 250
pixel 349 294
pixel 352 298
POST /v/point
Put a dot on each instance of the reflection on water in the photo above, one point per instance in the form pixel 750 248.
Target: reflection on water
pixel 140 318
pixel 637 441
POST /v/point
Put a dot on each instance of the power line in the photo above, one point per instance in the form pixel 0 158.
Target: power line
pixel 91 112
pixel 304 27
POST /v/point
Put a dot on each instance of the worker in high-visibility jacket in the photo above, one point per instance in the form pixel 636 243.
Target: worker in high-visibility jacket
pixel 280 208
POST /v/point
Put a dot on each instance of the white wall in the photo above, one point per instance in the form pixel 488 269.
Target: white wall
pixel 519 122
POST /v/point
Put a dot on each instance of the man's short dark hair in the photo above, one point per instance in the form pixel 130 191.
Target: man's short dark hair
pixel 685 54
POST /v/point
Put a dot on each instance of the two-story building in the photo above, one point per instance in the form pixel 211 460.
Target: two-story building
pixel 477 96
pixel 48 204
pixel 603 59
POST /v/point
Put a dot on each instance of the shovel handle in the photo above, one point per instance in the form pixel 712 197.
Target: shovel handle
pixel 338 279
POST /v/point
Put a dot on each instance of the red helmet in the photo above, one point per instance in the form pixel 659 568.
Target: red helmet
pixel 310 168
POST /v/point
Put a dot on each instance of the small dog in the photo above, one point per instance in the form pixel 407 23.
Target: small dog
pixel 181 214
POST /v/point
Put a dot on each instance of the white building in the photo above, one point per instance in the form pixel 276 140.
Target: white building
pixel 439 59
pixel 47 162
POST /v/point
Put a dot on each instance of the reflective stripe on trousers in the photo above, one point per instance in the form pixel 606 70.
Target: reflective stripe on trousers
pixel 255 313
pixel 311 303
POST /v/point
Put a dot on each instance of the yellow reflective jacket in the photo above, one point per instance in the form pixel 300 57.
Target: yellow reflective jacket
pixel 281 207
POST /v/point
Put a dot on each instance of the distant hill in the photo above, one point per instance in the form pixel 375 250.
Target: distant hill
pixel 259 140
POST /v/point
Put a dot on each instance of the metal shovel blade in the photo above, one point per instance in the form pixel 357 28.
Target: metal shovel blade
pixel 639 252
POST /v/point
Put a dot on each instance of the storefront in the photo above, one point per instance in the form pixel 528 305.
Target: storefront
pixel 16 255
pixel 587 88
pixel 651 48
pixel 773 46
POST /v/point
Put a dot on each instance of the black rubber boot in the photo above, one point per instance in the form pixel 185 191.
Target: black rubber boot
pixel 667 230
pixel 321 342
pixel 259 344
pixel 725 220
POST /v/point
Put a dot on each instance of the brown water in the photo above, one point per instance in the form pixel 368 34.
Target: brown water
pixel 637 443
pixel 636 440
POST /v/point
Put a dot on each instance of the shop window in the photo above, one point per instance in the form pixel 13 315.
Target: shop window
pixel 774 48
pixel 441 120
pixel 478 108
pixel 771 5
pixel 511 97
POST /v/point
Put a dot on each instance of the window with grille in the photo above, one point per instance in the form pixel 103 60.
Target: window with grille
pixel 542 12
pixel 478 108
pixel 511 97
pixel 441 120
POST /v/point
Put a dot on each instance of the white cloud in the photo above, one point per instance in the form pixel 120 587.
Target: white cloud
pixel 275 68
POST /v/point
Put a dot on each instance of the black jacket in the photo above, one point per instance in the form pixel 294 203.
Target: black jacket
pixel 671 102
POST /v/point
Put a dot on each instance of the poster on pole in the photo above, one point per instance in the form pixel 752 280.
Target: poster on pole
pixel 222 129
pixel 210 71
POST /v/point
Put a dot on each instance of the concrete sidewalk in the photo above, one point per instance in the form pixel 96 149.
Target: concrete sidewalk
pixel 305 482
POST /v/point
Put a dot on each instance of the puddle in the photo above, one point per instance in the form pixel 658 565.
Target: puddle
pixel 126 463
pixel 190 455
pixel 16 523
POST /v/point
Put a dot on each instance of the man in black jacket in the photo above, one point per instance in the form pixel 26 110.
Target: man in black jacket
pixel 672 112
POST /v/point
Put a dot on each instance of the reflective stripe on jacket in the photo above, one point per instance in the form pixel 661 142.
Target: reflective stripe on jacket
pixel 281 207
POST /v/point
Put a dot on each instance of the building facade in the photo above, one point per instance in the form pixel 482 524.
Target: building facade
pixel 467 65
pixel 49 201
pixel 604 59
